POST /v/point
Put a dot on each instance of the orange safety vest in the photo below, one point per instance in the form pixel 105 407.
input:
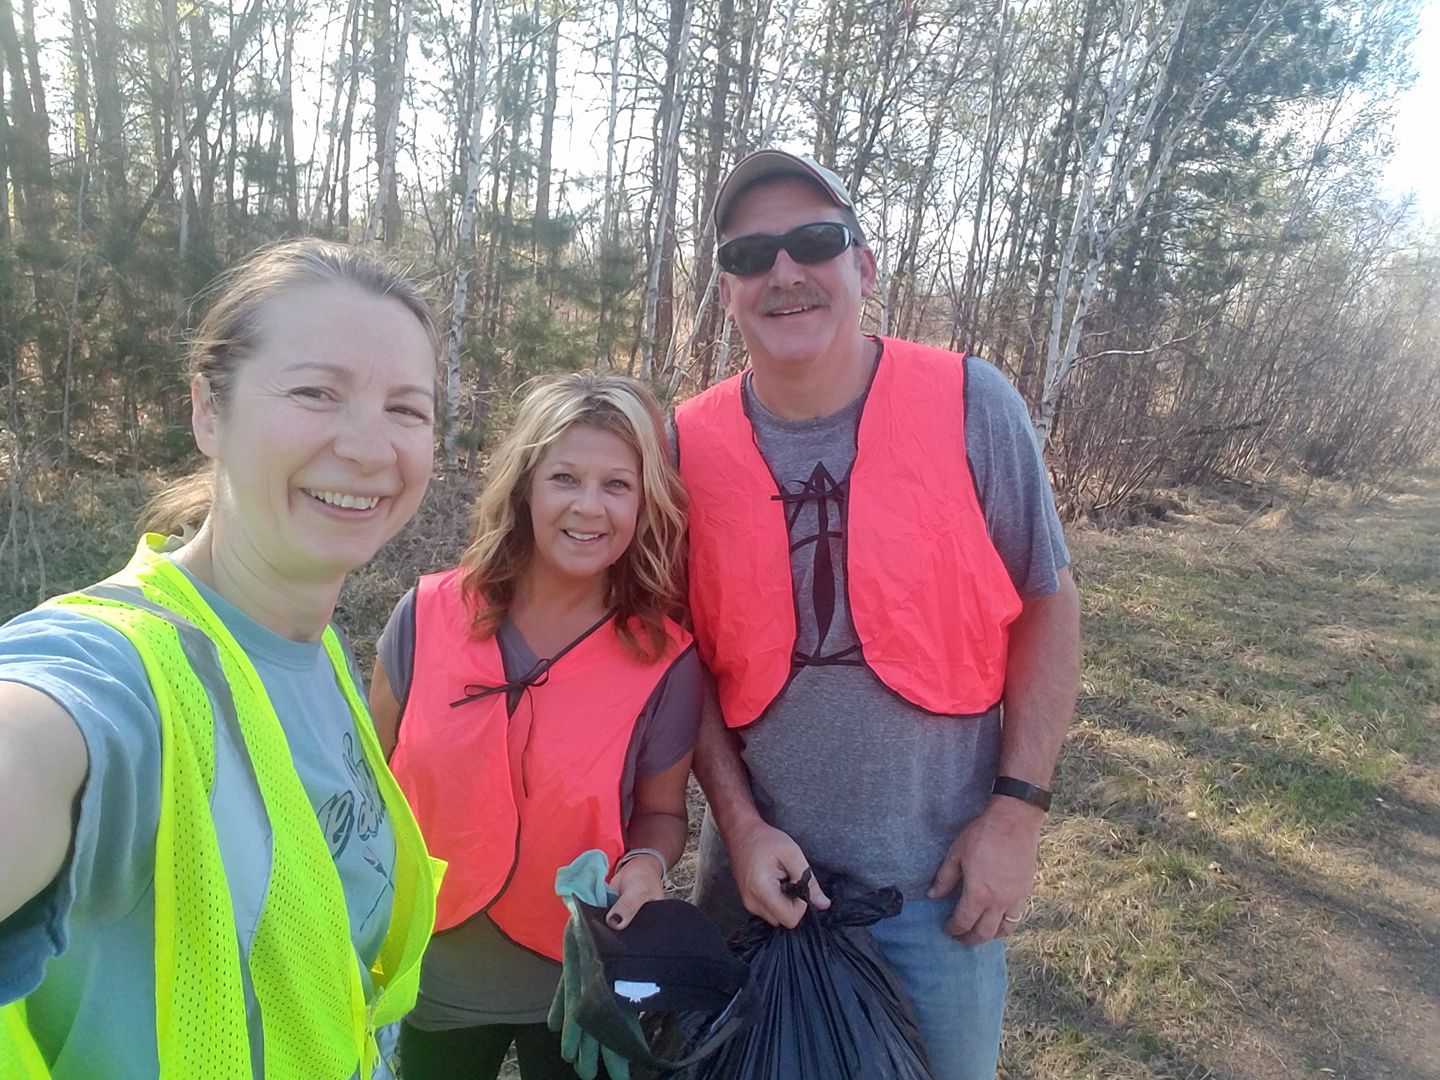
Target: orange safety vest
pixel 929 596
pixel 509 800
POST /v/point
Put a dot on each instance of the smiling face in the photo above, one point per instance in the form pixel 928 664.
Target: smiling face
pixel 584 499
pixel 324 443
pixel 795 314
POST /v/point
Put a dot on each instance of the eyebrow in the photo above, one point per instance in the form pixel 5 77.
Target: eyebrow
pixel 566 463
pixel 343 371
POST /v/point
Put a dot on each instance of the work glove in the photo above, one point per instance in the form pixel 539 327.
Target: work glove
pixel 582 880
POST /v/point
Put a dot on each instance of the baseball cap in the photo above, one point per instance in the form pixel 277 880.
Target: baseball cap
pixel 671 959
pixel 763 164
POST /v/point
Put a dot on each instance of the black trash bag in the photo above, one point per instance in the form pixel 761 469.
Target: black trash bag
pixel 830 1006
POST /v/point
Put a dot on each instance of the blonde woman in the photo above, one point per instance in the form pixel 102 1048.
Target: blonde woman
pixel 541 703
pixel 207 869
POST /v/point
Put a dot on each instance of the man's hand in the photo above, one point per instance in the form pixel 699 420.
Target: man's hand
pixel 993 861
pixel 763 858
pixel 637 882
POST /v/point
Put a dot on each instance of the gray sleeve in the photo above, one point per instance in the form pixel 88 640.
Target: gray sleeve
pixel 668 725
pixel 1010 476
pixel 395 648
pixel 92 672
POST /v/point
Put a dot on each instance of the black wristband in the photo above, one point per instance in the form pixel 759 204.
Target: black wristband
pixel 1019 789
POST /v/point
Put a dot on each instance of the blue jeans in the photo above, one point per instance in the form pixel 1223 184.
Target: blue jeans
pixel 958 990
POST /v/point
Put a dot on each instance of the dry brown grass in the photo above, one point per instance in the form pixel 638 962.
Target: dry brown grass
pixel 59 533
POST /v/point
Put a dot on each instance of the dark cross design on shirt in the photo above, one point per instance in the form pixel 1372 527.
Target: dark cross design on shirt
pixel 828 495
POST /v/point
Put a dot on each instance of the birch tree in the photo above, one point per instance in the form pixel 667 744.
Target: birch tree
pixel 672 109
pixel 386 209
pixel 465 250
pixel 1115 180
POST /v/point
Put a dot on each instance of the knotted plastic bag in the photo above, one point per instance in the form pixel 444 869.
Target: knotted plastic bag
pixel 830 1006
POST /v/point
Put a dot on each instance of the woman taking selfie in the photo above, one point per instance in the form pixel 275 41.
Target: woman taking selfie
pixel 208 870
pixel 545 706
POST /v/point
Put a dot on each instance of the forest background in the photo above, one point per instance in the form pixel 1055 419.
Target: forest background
pixel 1164 219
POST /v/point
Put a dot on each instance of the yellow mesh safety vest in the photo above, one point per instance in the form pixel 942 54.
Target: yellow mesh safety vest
pixel 316 1021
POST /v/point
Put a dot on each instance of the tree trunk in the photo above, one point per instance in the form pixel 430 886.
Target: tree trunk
pixel 67 375
pixel 706 319
pixel 394 215
pixel 545 246
pixel 387 114
pixel 37 81
pixel 109 104
pixel 29 152
pixel 522 93
pixel 608 212
pixel 286 119
pixel 182 133
pixel 4 175
pixel 232 149
pixel 83 118
pixel 465 249
pixel 658 275
pixel 322 198
pixel 210 156
pixel 347 129
pixel 1064 137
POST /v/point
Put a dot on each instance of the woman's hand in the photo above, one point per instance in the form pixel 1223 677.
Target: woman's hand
pixel 638 882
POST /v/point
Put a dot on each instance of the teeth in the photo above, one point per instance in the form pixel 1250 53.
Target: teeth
pixel 581 536
pixel 348 502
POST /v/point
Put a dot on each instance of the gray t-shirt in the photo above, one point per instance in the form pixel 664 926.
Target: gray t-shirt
pixel 865 783
pixel 473 974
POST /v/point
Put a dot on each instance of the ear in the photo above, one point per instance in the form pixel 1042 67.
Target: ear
pixel 203 420
pixel 725 291
pixel 869 270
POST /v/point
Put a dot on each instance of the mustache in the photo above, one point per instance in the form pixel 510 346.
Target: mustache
pixel 800 296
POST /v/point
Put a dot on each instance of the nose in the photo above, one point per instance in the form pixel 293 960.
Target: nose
pixel 366 443
pixel 587 499
pixel 786 271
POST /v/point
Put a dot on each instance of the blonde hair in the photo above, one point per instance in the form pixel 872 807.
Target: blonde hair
pixel 649 578
pixel 230 331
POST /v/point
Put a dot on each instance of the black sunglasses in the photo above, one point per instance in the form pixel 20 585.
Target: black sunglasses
pixel 817 242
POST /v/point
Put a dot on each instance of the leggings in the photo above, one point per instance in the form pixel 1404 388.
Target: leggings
pixel 476 1053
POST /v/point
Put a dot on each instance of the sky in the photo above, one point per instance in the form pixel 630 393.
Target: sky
pixel 1416 164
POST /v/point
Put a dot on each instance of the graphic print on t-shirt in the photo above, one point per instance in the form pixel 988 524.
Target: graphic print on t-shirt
pixel 815 518
pixel 357 813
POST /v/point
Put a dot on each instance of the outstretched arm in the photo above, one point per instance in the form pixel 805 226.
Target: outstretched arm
pixel 42 765
pixel 993 860
pixel 761 856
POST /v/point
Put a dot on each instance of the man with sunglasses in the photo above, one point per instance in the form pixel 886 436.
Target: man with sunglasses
pixel 877 572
